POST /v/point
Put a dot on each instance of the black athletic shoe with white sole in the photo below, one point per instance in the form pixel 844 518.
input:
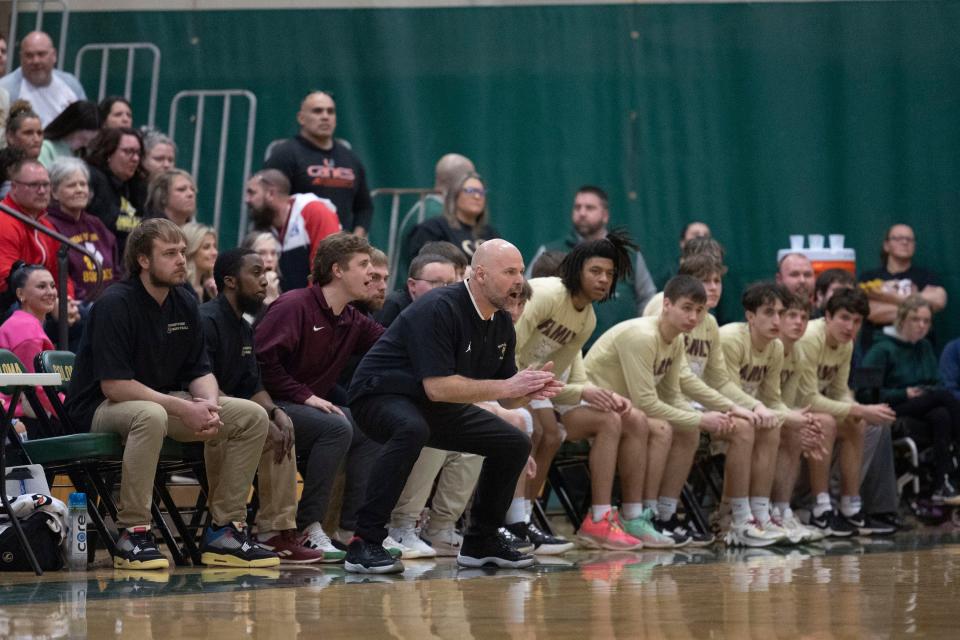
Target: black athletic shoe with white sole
pixel 491 551
pixel 832 525
pixel 543 543
pixel 867 525
pixel 367 557
pixel 680 531
pixel 520 544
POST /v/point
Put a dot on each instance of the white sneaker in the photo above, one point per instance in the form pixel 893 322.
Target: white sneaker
pixel 773 527
pixel 413 545
pixel 398 550
pixel 315 538
pixel 445 542
pixel 748 534
pixel 797 529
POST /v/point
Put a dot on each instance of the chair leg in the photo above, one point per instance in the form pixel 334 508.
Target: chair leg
pixel 178 558
pixel 558 484
pixel 540 517
pixel 186 534
pixel 694 512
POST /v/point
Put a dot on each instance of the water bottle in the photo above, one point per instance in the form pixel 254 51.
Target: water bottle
pixel 77 538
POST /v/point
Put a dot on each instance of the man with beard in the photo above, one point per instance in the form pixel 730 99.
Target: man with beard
pixel 299 222
pixel 242 283
pixel 142 346
pixel 590 217
pixel 377 289
pixel 416 387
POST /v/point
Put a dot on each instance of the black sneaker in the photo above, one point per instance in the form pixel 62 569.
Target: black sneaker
pixel 680 538
pixel 520 544
pixel 946 494
pixel 832 525
pixel 491 550
pixel 543 543
pixel 680 531
pixel 368 557
pixel 137 549
pixel 869 526
pixel 233 546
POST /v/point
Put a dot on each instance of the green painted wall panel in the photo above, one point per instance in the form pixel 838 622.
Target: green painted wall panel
pixel 762 119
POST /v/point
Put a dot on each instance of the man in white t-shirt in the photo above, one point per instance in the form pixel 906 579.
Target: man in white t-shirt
pixel 48 90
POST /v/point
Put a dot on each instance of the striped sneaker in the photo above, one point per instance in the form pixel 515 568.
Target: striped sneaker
pixel 315 538
pixel 137 549
pixel 232 546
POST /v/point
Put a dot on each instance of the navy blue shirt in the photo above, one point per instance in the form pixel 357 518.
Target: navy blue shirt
pixel 440 334
pixel 128 336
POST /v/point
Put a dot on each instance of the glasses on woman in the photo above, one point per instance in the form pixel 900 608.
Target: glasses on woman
pixel 475 191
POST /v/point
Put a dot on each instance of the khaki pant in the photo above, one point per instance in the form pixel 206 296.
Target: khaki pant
pixel 458 478
pixel 231 456
pixel 278 493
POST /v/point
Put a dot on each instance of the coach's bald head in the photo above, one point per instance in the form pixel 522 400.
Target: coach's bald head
pixel 497 273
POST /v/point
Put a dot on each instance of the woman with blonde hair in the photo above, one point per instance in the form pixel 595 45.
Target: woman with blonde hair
pixel 201 256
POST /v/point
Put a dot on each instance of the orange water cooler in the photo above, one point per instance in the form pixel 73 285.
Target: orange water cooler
pixel 832 256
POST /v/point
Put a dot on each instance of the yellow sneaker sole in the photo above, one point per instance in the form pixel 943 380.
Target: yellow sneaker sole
pixel 212 559
pixel 139 565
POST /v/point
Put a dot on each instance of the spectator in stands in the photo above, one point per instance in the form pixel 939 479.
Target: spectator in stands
pixel 266 245
pixel 24 130
pixel 950 367
pixel 4 96
pixel 303 342
pixel 377 289
pixel 465 222
pixel 299 221
pixel 30 195
pixel 912 386
pixel 22 332
pixel 895 280
pixel 115 112
pixel 201 258
pixel 693 230
pixel 795 272
pixel 159 153
pixel 427 271
pixel 449 251
pixel 118 180
pixel 447 173
pixel 69 133
pixel 229 345
pixel 415 382
pixel 172 194
pixel 316 162
pixel 128 382
pixel 49 90
pixel 69 180
pixel 827 284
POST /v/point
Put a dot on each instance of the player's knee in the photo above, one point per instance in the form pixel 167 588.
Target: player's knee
pixel 635 424
pixel 660 431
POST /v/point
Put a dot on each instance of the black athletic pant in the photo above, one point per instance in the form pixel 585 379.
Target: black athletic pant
pixel 404 427
pixel 938 411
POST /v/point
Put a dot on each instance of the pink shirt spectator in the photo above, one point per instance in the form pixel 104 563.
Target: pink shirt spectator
pixel 23 334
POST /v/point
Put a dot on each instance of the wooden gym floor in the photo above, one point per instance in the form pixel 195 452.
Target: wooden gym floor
pixel 904 586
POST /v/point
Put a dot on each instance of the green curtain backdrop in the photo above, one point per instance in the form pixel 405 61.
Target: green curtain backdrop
pixel 760 119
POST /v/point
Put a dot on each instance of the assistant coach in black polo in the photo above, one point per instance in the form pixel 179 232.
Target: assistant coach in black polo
pixel 416 387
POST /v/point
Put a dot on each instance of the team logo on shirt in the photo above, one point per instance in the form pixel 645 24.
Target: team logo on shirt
pixel 246 350
pixel 327 175
pixel 660 369
pixel 557 332
pixel 827 373
pixel 785 376
pixel 696 347
pixel 503 350
pixel 177 326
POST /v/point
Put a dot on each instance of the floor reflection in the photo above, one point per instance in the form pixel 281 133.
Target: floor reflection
pixel 863 589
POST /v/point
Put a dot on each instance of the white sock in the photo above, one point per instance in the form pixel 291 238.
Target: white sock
pixel 850 505
pixel 631 510
pixel 516 512
pixel 263 536
pixel 760 507
pixel 650 504
pixel 666 507
pixel 740 510
pixel 527 509
pixel 823 505
pixel 783 508
pixel 599 511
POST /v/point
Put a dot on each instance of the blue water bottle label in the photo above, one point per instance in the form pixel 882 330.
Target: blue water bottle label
pixel 77 500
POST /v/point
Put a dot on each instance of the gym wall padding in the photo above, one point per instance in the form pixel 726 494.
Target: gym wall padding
pixel 760 119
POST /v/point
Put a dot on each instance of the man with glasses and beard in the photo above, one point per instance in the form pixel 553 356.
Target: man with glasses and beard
pixel 142 347
pixel 416 387
pixel 242 283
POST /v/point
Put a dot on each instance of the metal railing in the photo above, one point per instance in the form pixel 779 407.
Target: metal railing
pixel 131 49
pixel 201 96
pixel 38 26
pixel 63 329
pixel 397 224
